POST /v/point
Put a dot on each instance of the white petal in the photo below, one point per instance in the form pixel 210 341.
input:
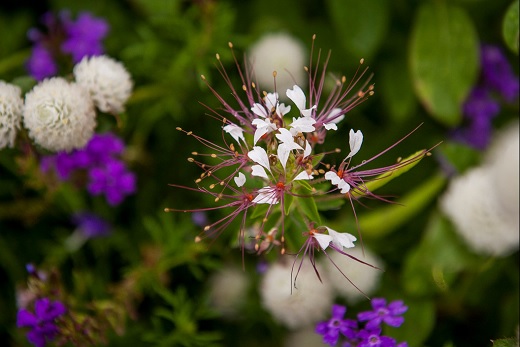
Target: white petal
pixel 308 149
pixel 344 186
pixel 259 156
pixel 259 110
pixel 332 177
pixel 235 131
pixel 297 96
pixel 240 179
pixel 323 239
pixel 355 141
pixel 257 170
pixel 303 176
pixel 333 114
pixel 263 126
pixel 285 135
pixel 271 100
pixel 308 112
pixel 282 110
pixel 266 195
pixel 303 124
pixel 329 126
pixel 341 240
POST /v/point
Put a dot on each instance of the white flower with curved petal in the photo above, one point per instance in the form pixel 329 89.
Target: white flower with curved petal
pixel 341 240
pixel 332 123
pixel 235 131
pixel 337 181
pixel 266 195
pixel 355 141
pixel 303 176
pixel 298 97
pixel 286 146
pixel 323 239
pixel 259 156
pixel 259 171
pixel 263 126
pixel 302 125
pixel 240 180
pixel 259 110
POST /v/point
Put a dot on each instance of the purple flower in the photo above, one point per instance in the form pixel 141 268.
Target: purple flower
pixel 84 36
pixel 104 146
pixel 390 314
pixel 41 63
pixel 497 73
pixel 332 328
pixel 373 338
pixel 91 225
pixel 113 180
pixel 42 321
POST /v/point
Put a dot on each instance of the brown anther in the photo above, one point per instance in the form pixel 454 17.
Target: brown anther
pixel 253 85
pixel 179 128
pixel 217 199
pixel 198 180
pixel 213 155
pixel 362 60
pixel 189 133
pixel 230 44
pixel 232 147
pixel 371 93
pixel 197 239
pixel 211 186
pixel 428 154
pixel 321 171
pixel 337 150
pixel 282 251
pixel 194 153
pixel 306 69
pixel 191 160
pixel 399 159
pixel 257 246
pixel 244 88
pixel 207 227
pixel 343 79
pixel 203 77
pixel 222 183
pixel 274 73
pixel 166 209
pixel 361 94
pixel 218 56
pixel 314 36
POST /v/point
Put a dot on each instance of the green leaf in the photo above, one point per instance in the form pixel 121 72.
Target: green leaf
pixel 419 321
pixel 259 211
pixel 444 59
pixel 510 27
pixel 287 203
pixel 309 208
pixel 362 25
pixel 397 90
pixel 389 218
pixel 383 179
pixel 513 342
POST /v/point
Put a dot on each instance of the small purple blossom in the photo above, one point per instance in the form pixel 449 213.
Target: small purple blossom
pixel 41 63
pixel 91 225
pixel 106 173
pixel 373 338
pixel 84 36
pixel 391 314
pixel 332 328
pixel 497 74
pixel 42 321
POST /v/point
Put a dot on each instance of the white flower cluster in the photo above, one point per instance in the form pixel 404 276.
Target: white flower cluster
pixel 228 289
pixel 11 108
pixel 60 115
pixel 282 53
pixel 483 203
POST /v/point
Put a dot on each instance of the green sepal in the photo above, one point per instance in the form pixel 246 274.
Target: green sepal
pixel 386 177
pixel 288 200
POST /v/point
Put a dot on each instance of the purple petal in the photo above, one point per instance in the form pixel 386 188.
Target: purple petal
pixel 25 319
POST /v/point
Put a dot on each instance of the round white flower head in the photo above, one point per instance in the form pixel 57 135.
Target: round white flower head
pixel 282 53
pixel 59 115
pixel 11 108
pixel 309 301
pixel 107 81
pixel 363 276
pixel 473 205
pixel 228 289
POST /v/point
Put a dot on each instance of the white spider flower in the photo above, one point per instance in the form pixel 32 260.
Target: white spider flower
pixel 355 141
pixel 337 181
pixel 300 305
pixel 332 120
pixel 11 108
pixel 483 203
pixel 365 277
pixel 302 125
pixel 286 145
pixel 235 131
pixel 279 52
pixel 298 97
pixel 59 115
pixel 267 195
pixel 338 240
pixel 107 81
pixel 263 124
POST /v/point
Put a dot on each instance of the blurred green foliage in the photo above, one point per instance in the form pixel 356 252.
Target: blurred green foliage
pixel 424 55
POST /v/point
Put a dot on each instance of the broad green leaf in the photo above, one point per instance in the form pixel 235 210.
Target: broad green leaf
pixel 287 203
pixel 510 27
pixel 444 56
pixel 259 211
pixel 397 90
pixel 386 219
pixel 383 179
pixel 361 25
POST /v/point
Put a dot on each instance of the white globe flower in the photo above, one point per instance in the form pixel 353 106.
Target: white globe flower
pixel 363 276
pixel 11 108
pixel 308 303
pixel 59 115
pixel 474 206
pixel 228 288
pixel 107 81
pixel 282 53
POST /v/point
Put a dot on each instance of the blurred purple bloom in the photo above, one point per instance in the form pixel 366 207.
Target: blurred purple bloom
pixel 113 180
pixel 41 63
pixel 497 74
pixel 332 328
pixel 42 321
pixel 390 314
pixel 373 338
pixel 91 225
pixel 84 36
pixel 107 174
